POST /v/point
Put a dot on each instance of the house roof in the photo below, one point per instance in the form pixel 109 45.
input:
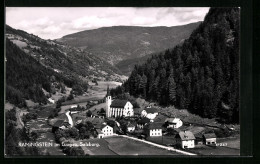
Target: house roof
pixel 130 125
pixel 58 123
pixel 94 120
pixel 143 121
pixel 172 120
pixel 155 125
pixel 210 135
pixel 101 126
pixel 186 135
pixel 151 110
pixel 118 103
pixel 99 131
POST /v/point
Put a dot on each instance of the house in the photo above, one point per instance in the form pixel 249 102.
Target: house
pixel 209 139
pixel 51 100
pixel 74 110
pixel 141 123
pixel 104 130
pixel 198 139
pixel 173 122
pixel 185 139
pixel 118 108
pixel 60 124
pixel 153 129
pixel 130 127
pixel 149 113
pixel 100 134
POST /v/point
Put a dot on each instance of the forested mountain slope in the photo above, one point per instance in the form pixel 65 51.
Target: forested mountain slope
pixel 201 75
pixel 26 77
pixel 61 58
pixel 118 43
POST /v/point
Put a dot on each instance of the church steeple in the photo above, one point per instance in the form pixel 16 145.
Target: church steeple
pixel 108 91
pixel 108 102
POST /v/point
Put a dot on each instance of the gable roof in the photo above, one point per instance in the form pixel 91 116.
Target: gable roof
pixel 94 120
pixel 58 123
pixel 210 135
pixel 101 126
pixel 151 110
pixel 155 125
pixel 99 131
pixel 130 125
pixel 118 103
pixel 186 135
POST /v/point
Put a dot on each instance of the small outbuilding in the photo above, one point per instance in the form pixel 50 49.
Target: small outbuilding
pixel 210 139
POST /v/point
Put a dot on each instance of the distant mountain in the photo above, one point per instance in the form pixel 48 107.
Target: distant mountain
pixel 62 58
pixel 118 43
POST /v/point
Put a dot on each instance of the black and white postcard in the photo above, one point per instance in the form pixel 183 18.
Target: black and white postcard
pixel 122 81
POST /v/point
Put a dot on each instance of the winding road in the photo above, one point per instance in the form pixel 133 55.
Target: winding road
pixel 69 118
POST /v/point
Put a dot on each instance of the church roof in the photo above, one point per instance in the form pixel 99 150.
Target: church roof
pixel 118 103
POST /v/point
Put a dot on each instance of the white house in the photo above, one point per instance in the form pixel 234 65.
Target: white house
pixel 118 108
pixel 150 113
pixel 173 122
pixel 185 139
pixel 51 100
pixel 104 130
pixel 154 129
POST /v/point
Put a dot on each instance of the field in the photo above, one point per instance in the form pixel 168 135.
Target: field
pixel 122 146
pixel 162 140
pixel 210 150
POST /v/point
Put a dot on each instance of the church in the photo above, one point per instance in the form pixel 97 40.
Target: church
pixel 118 108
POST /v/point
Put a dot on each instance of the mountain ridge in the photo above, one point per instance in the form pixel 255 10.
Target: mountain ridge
pixel 118 43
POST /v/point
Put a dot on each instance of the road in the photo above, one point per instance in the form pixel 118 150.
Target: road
pixel 20 123
pixel 69 118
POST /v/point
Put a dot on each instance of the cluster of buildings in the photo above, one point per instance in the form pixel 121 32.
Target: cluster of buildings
pixel 145 123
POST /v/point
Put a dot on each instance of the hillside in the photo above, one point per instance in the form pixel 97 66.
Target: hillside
pixel 61 58
pixel 201 75
pixel 118 43
pixel 26 77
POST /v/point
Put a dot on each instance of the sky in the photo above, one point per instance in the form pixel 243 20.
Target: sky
pixel 55 22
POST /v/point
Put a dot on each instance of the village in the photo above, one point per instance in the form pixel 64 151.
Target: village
pixel 108 121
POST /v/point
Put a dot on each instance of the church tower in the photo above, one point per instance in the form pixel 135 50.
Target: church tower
pixel 108 103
